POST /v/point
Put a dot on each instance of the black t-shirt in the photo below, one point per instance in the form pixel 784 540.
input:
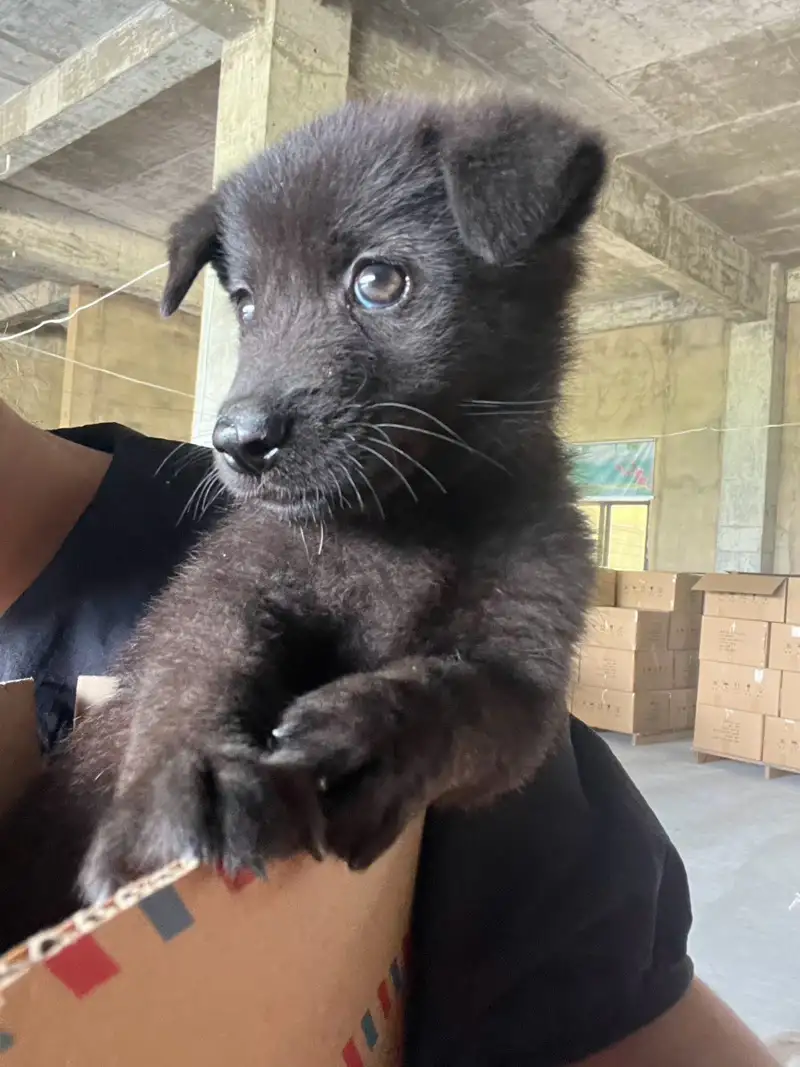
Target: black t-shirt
pixel 546 927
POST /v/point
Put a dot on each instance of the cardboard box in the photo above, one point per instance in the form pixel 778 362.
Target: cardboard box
pixel 793 601
pixel 627 670
pixel 729 732
pixel 790 695
pixel 686 669
pixel 684 631
pixel 645 713
pixel 188 967
pixel 784 647
pixel 761 597
pixel 682 707
pixel 782 743
pixel 742 641
pixel 730 685
pixel 627 713
pixel 659 591
pixel 626 628
pixel 605 588
pixel 20 759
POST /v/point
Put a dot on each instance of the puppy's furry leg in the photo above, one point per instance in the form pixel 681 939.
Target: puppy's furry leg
pixel 388 744
pixel 200 689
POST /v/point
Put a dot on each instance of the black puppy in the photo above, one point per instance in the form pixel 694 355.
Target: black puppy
pixel 387 617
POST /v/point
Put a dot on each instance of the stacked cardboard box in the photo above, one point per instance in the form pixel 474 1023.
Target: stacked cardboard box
pixel 749 688
pixel 637 670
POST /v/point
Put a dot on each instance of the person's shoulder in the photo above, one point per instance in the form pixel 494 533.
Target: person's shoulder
pixel 555 921
pixel 167 486
pixel 116 439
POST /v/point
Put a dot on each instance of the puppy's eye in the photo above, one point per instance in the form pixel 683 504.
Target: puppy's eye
pixel 243 302
pixel 379 285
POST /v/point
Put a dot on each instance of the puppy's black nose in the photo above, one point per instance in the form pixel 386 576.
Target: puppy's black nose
pixel 250 440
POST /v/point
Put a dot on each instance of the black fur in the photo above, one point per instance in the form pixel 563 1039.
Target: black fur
pixel 398 598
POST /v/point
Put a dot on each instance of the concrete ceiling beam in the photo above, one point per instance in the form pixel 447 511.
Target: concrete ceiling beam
pixel 227 18
pixel 648 310
pixel 150 52
pixel 40 300
pixel 48 240
pixel 640 224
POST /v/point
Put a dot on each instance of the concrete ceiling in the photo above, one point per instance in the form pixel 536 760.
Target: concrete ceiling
pixel 701 97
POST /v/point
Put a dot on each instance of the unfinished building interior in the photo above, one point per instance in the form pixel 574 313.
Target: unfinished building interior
pixel 116 116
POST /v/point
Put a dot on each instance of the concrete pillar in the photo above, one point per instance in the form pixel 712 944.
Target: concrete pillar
pixel 751 455
pixel 125 338
pixel 289 69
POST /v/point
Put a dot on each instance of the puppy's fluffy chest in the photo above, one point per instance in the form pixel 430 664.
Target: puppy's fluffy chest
pixel 387 597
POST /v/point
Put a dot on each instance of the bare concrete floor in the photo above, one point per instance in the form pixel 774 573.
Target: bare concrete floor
pixel 739 837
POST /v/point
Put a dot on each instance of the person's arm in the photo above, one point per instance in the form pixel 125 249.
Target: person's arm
pixel 700 1031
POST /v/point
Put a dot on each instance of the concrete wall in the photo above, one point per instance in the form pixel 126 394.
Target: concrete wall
pixel 127 337
pixel 653 380
pixel 787 536
pixel 31 380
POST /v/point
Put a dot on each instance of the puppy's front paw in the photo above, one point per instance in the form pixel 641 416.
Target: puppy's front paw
pixel 218 804
pixel 348 739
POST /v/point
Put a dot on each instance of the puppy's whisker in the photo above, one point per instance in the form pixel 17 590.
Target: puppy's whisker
pixel 416 411
pixel 216 496
pixel 305 543
pixel 364 381
pixel 388 443
pixel 173 452
pixel 349 477
pixel 206 500
pixel 321 536
pixel 519 413
pixel 195 495
pixel 186 461
pixel 370 486
pixel 450 440
pixel 505 403
pixel 342 502
pixel 508 409
pixel 392 467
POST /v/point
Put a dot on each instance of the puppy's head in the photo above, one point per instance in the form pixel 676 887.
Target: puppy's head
pixel 393 266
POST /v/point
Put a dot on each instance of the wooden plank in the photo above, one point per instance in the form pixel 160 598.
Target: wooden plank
pixel 649 739
pixel 668 735
pixel 706 757
pixel 138 59
pixel 771 770
pixel 40 300
pixel 46 239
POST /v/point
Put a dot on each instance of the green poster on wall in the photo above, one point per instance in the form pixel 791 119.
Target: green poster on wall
pixel 614 470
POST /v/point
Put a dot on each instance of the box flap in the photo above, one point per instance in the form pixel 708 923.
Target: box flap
pixel 747 584
pixel 306 968
pixel 20 755
pixel 92 690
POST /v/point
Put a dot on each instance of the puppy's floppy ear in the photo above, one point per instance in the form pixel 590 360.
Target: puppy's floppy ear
pixel 194 241
pixel 517 173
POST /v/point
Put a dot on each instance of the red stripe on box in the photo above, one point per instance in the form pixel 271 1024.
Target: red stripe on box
pixel 82 966
pixel 237 882
pixel 385 999
pixel 351 1056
